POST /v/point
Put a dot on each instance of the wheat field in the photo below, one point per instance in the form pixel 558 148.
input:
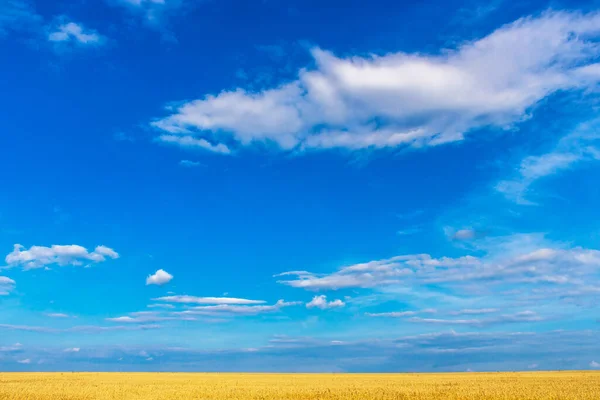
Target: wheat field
pixel 155 386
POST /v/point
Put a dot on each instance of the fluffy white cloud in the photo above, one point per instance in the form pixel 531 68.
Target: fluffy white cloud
pixel 322 303
pixel 594 364
pixel 71 32
pixel 41 256
pixel 25 361
pixel 417 99
pixel 581 145
pixel 207 300
pixel 160 277
pixel 6 285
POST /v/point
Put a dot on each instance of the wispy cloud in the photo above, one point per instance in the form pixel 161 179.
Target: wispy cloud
pixel 474 311
pixel 41 256
pixel 72 350
pixel 438 351
pixel 207 300
pixel 17 347
pixel 551 265
pixel 401 314
pixel 194 143
pixel 189 164
pixel 67 32
pixel 57 315
pixel 409 231
pixel 523 316
pixel 577 147
pixel 522 269
pixel 81 328
pixel 6 285
pixel 167 306
pixel 153 11
pixel 144 317
pixel 239 310
pixel 18 15
pixel 422 100
pixel 123 137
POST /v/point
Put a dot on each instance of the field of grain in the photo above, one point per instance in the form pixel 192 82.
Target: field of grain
pixel 155 386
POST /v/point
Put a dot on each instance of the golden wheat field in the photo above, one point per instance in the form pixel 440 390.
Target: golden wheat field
pixel 180 386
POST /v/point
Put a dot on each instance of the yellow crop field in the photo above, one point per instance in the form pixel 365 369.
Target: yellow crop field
pixel 184 386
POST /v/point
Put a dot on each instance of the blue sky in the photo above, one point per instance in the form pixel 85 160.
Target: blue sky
pixel 299 186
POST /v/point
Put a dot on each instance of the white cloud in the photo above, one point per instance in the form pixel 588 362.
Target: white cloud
pixel 143 317
pixel 533 366
pixel 476 311
pixel 81 328
pixel 393 314
pixel 57 315
pixel 103 251
pixel 13 348
pixel 72 350
pixel 160 277
pixel 25 361
pixel 409 231
pixel 232 310
pixel 418 99
pixel 191 143
pixel 400 314
pixel 71 32
pixel 190 164
pixel 594 364
pixel 525 270
pixel 168 306
pixel 322 303
pixel 579 146
pixel 41 256
pixel 6 285
pixel 523 316
pixel 464 234
pixel 542 264
pixel 207 300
